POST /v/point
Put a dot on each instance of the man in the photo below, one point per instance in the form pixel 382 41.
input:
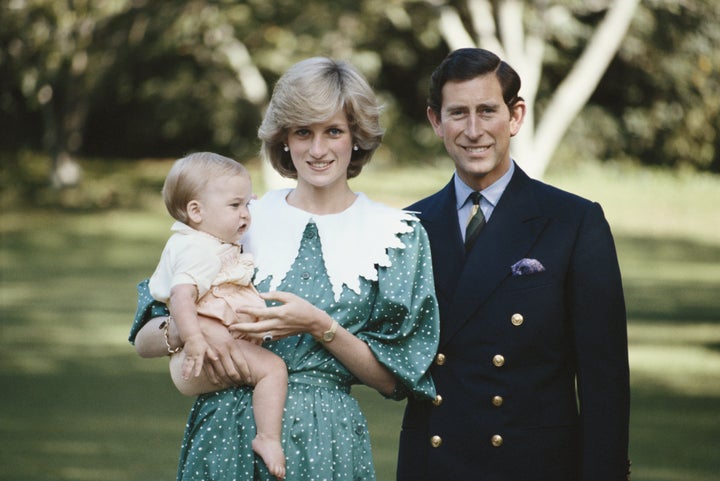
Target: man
pixel 532 369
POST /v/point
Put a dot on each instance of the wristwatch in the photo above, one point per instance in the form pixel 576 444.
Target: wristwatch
pixel 329 335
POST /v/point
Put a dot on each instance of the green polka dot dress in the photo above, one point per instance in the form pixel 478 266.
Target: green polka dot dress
pixel 369 268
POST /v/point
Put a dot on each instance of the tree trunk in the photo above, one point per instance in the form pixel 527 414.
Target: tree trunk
pixel 575 90
pixel 66 171
pixel 534 146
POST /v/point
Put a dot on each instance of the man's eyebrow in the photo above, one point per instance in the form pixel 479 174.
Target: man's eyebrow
pixel 481 105
pixel 456 107
pixel 492 105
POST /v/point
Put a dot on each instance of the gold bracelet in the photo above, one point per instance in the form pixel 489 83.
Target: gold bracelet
pixel 165 326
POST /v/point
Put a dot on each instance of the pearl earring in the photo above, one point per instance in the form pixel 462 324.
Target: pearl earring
pixel 356 148
pixel 286 148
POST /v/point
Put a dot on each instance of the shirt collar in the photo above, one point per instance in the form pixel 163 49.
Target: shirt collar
pixel 182 228
pixel 491 194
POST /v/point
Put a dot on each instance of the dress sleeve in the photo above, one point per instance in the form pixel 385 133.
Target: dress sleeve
pixel 147 308
pixel 404 328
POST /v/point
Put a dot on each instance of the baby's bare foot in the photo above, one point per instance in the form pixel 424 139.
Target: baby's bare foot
pixel 270 450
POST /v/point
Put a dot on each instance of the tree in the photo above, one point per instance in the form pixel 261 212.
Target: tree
pixel 135 78
pixel 660 101
pixel 74 60
pixel 521 38
pixel 50 57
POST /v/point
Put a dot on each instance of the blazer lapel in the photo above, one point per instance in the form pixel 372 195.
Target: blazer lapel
pixel 440 221
pixel 511 232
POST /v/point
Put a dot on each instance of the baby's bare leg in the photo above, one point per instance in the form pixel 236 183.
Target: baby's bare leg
pixel 194 386
pixel 270 375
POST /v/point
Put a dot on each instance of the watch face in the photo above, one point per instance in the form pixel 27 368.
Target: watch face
pixel 328 336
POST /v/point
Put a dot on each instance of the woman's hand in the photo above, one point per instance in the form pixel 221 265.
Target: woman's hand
pixel 297 316
pixel 228 366
pixel 293 316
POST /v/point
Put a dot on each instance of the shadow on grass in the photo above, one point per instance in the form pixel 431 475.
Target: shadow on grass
pixel 674 437
pixel 79 405
pixel 670 280
pixel 119 418
pixel 105 420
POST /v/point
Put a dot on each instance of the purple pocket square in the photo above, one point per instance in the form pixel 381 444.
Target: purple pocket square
pixel 526 266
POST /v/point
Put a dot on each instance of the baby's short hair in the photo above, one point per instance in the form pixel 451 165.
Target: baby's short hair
pixel 189 176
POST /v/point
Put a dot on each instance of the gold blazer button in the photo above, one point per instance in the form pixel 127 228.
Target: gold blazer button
pixel 517 319
pixel 496 440
pixel 435 441
pixel 498 360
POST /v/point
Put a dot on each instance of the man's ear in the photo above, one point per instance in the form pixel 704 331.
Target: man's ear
pixel 194 211
pixel 435 121
pixel 517 115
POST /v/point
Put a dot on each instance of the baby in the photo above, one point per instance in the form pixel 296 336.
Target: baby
pixel 203 272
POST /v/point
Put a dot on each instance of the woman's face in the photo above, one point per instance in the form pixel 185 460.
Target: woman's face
pixel 321 152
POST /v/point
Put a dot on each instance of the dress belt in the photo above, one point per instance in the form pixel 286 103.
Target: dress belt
pixel 326 381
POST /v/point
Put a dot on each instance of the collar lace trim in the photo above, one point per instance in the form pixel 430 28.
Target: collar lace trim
pixel 354 242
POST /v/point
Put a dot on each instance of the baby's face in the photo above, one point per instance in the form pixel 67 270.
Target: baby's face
pixel 224 205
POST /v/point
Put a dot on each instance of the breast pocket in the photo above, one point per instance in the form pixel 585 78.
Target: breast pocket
pixel 528 281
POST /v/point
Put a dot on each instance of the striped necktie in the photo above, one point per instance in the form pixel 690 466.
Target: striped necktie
pixel 476 221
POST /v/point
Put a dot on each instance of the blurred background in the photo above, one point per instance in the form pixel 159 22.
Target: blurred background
pixel 97 97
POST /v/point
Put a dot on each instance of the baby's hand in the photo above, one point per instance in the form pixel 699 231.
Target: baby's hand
pixel 195 350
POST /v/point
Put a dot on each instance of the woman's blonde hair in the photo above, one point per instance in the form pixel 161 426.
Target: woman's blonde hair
pixel 312 91
pixel 189 176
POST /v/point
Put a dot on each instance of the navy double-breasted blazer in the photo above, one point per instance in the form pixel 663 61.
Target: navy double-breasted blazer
pixel 532 370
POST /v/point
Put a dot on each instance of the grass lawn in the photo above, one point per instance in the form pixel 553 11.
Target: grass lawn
pixel 77 404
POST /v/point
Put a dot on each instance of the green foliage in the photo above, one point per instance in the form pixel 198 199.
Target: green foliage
pixel 79 405
pixel 134 79
pixel 23 182
pixel 660 99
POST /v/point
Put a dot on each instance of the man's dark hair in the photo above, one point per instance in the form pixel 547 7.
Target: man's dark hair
pixel 468 63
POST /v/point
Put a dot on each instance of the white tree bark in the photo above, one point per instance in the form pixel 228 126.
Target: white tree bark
pixel 256 91
pixel 577 87
pixel 252 81
pixel 523 48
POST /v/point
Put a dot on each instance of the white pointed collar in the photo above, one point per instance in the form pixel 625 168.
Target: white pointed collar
pixel 354 242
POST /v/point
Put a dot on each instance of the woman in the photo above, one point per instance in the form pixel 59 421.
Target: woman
pixel 350 286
